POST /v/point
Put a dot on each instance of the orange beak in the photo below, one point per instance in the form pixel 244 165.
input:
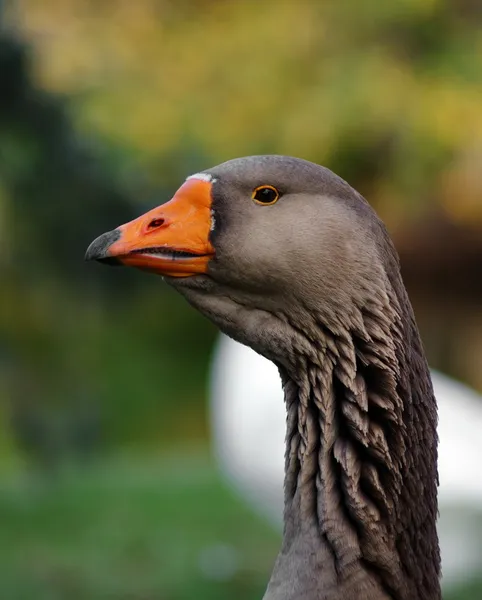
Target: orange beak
pixel 172 239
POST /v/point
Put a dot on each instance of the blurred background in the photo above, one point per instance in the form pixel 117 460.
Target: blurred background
pixel 109 483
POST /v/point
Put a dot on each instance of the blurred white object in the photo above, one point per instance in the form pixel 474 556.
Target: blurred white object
pixel 248 421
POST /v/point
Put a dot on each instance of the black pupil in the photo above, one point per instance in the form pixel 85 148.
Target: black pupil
pixel 266 195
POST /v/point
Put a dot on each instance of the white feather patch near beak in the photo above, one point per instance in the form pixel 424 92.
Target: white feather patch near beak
pixel 202 176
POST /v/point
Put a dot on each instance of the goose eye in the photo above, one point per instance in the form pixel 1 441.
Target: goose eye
pixel 265 194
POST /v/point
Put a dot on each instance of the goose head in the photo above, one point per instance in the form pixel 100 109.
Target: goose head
pixel 284 256
pixel 261 242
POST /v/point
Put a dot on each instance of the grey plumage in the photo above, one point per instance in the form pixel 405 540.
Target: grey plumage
pixel 313 283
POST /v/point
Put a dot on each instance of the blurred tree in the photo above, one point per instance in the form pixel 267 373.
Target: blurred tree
pixel 389 96
pixel 60 197
pixel 57 192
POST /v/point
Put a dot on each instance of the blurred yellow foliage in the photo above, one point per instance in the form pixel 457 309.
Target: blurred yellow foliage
pixel 301 77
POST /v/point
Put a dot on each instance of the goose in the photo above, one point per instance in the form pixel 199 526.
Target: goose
pixel 246 411
pixel 286 257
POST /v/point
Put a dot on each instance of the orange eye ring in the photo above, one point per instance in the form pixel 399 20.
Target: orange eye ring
pixel 265 195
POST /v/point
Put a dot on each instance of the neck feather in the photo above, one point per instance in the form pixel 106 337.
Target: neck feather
pixel 361 453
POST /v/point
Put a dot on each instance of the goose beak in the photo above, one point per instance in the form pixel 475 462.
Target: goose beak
pixel 172 239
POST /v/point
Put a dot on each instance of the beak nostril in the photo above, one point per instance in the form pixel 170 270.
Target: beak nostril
pixel 156 223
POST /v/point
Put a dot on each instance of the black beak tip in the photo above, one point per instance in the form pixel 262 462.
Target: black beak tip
pixel 99 247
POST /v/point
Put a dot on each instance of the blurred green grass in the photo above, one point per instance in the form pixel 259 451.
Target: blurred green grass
pixel 135 528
